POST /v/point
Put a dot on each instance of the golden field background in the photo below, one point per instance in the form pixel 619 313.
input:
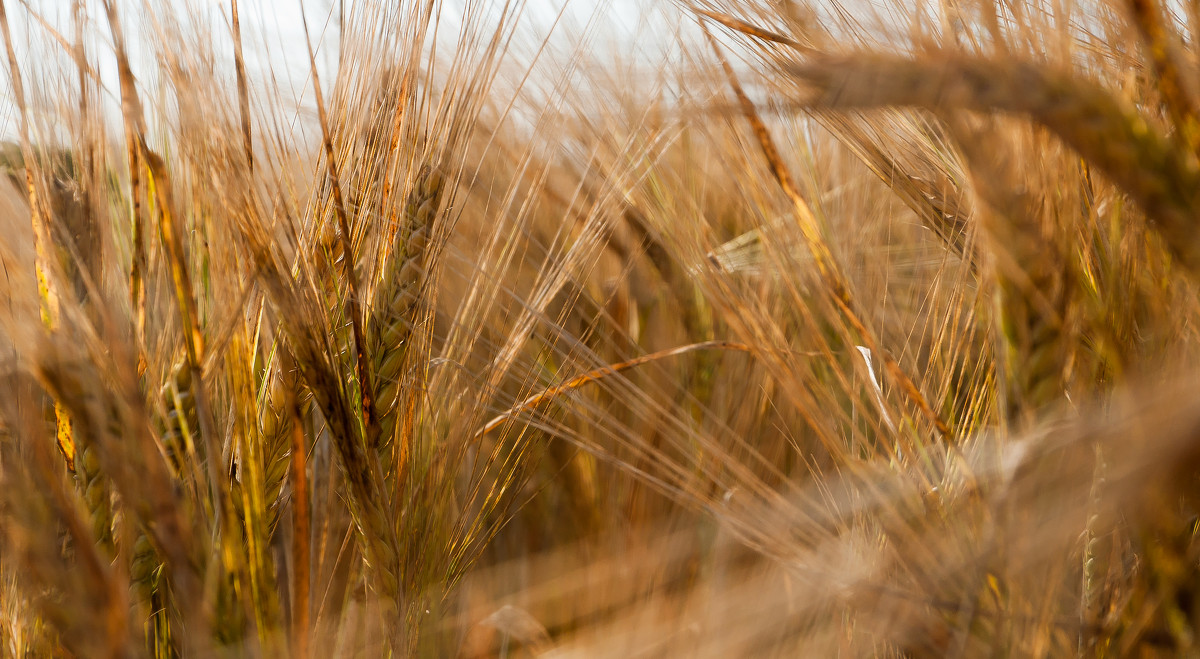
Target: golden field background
pixel 826 331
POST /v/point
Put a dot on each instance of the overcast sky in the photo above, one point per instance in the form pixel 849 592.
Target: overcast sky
pixel 274 42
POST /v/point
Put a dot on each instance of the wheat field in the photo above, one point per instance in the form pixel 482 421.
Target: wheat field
pixel 787 328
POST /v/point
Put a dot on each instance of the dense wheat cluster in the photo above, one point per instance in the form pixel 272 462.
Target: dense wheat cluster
pixel 805 329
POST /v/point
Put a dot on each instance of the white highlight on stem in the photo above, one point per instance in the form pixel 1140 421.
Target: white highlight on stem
pixel 887 418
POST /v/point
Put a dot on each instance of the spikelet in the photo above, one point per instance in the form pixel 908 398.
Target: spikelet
pixel 96 496
pixel 274 428
pixel 77 259
pixel 321 377
pixel 145 565
pixel 1033 274
pixel 177 430
pixel 1033 307
pixel 397 297
pixel 82 460
pixel 115 426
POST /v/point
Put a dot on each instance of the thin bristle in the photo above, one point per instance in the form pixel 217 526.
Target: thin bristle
pixel 1154 170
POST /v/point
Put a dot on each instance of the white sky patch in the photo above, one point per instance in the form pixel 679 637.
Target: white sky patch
pixel 273 41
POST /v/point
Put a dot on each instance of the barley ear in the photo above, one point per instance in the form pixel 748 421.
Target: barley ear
pixel 397 298
pixel 1030 259
pixel 1156 171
